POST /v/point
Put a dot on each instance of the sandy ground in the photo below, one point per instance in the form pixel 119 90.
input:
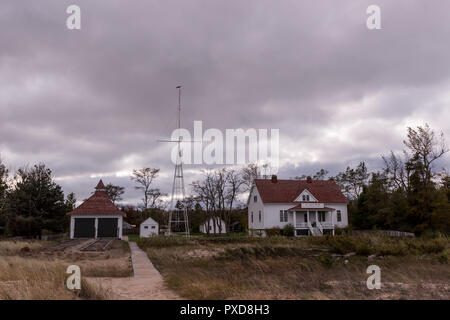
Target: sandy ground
pixel 147 283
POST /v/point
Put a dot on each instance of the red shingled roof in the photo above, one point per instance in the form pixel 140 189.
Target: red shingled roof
pixel 285 191
pixel 100 185
pixel 98 204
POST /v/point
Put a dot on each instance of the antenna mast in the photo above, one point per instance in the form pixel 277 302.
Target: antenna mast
pixel 178 217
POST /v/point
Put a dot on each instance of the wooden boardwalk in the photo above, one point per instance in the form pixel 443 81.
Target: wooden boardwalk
pixel 146 284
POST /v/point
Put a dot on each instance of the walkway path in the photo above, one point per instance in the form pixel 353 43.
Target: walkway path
pixel 147 283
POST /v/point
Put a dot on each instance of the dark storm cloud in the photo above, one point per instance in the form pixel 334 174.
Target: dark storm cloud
pixel 93 102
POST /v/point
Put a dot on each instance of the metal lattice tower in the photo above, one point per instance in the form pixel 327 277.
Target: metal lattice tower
pixel 178 217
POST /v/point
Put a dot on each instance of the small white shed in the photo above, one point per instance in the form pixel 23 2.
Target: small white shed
pixel 148 228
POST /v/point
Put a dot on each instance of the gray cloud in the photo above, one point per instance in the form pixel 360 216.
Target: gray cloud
pixel 94 102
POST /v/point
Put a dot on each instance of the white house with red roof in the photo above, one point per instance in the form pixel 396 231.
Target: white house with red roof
pixel 97 217
pixel 313 207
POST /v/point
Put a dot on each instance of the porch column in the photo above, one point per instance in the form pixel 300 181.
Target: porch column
pixel 96 227
pixel 332 221
pixel 316 217
pixel 331 217
pixel 295 218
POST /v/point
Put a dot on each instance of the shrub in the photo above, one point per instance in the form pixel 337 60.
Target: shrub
pixel 443 258
pixel 24 226
pixel 430 234
pixel 273 232
pixel 342 231
pixel 342 244
pixel 288 230
pixel 433 246
pixel 363 249
pixel 326 260
pixel 161 242
pixel 25 249
pixel 392 249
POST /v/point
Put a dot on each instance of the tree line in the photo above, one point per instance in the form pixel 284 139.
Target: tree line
pixel 31 202
pixel 408 194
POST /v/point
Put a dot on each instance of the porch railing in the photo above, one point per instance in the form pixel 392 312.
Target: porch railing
pixel 301 225
pixel 319 226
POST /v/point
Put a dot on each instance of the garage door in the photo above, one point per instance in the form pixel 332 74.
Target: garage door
pixel 107 228
pixel 84 228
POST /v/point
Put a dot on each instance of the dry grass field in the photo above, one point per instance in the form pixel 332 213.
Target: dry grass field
pixel 305 268
pixel 29 270
pixel 239 268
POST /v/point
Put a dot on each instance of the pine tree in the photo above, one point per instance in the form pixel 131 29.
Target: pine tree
pixel 37 201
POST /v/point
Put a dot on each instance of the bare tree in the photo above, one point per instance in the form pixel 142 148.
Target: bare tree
pixel 71 201
pixel 234 185
pixel 424 147
pixel 155 199
pixel 352 180
pixel 423 143
pixel 206 194
pixel 320 175
pixel 114 193
pixel 394 168
pixel 218 191
pixel 250 173
pixel 145 177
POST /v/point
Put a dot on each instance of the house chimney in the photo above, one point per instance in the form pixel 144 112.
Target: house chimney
pixel 274 178
pixel 308 179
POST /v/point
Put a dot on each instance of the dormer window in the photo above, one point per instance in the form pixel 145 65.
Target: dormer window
pixel 305 197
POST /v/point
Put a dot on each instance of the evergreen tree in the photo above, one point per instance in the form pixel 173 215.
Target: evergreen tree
pixel 3 196
pixel 37 201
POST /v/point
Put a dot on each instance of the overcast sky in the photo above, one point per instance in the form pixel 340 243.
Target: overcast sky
pixel 91 103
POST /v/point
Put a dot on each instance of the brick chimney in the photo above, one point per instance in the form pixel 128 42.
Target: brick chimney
pixel 274 178
pixel 308 179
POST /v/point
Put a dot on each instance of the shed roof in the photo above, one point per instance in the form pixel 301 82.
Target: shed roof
pixel 97 204
pixel 149 221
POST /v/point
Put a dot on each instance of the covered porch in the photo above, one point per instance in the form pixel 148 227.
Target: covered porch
pixel 312 221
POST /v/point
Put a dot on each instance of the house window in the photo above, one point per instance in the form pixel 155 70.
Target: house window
pixel 321 216
pixel 339 216
pixel 252 217
pixel 283 216
pixel 305 217
pixel 305 197
pixel 145 227
pixel 255 199
pixel 153 227
pixel 259 216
